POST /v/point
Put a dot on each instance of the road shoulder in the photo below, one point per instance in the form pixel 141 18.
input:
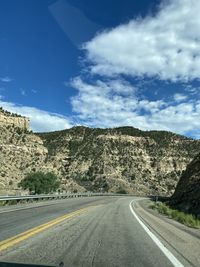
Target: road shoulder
pixel 181 240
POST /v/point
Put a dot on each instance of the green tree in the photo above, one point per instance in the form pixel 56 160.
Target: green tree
pixel 40 183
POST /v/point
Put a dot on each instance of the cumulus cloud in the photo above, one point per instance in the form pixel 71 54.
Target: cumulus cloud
pixel 99 104
pixel 166 46
pixel 40 120
pixel 101 99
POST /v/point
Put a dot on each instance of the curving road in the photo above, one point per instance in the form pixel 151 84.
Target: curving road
pixel 91 231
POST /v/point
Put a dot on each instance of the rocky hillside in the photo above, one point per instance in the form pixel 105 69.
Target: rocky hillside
pixel 121 159
pixel 21 152
pixel 187 193
pixel 116 160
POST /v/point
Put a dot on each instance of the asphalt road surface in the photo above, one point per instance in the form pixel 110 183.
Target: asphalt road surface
pixel 94 231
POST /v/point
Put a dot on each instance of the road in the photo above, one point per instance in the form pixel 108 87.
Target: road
pixel 92 231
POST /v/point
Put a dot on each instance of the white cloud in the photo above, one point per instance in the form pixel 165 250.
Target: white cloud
pixel 99 105
pixel 5 79
pixel 40 120
pixel 192 90
pixel 179 97
pixel 166 46
pixel 102 99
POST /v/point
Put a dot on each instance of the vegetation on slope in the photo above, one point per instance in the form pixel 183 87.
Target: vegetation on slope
pixel 123 158
pixel 84 135
pixel 184 218
pixel 134 156
pixel 8 113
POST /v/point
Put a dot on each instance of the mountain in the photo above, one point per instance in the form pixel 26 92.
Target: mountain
pixel 123 159
pixel 187 194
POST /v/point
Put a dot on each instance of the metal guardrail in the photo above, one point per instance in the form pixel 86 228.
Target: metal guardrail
pixel 56 196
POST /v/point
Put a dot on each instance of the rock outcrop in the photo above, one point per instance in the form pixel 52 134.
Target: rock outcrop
pixel 8 118
pixel 187 194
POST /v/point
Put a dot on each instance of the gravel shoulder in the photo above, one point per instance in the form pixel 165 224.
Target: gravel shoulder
pixel 182 241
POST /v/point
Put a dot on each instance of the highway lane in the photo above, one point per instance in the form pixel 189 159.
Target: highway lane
pixel 105 235
pixel 15 222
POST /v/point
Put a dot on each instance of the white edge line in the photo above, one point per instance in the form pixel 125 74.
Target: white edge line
pixel 167 253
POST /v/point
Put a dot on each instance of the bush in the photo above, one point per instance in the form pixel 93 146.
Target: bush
pixel 121 191
pixel 12 202
pixel 186 219
pixel 40 183
pixel 10 183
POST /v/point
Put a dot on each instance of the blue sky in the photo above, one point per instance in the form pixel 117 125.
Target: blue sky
pixel 102 63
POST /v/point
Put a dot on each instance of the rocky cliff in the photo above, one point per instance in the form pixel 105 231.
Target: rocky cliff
pixel 121 159
pixel 8 118
pixel 187 193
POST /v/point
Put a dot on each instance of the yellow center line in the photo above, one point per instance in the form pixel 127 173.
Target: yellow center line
pixel 21 237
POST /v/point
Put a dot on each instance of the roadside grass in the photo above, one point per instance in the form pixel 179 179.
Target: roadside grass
pixel 186 219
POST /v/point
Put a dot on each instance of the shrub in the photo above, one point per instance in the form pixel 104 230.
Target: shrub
pixel 184 218
pixel 121 191
pixel 10 183
pixel 39 183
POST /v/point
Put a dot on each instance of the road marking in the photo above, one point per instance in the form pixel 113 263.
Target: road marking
pixel 168 254
pixel 23 236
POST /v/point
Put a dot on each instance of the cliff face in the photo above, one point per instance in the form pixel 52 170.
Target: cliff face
pixel 103 160
pixel 187 194
pixel 7 118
